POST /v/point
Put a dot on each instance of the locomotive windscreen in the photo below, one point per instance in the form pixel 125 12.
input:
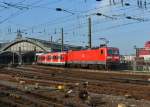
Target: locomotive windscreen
pixel 113 52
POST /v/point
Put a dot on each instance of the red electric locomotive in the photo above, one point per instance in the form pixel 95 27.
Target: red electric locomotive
pixel 100 58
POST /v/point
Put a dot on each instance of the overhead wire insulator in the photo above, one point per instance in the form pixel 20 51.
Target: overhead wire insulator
pixel 110 3
pixel 128 17
pixel 114 2
pixel 145 4
pixel 141 4
pixel 98 0
pixel 15 6
pixel 138 3
pixel 55 31
pixel 122 2
pixel 127 4
pixel 100 14
pixel 3 6
pixel 134 18
pixel 32 30
pixel 58 9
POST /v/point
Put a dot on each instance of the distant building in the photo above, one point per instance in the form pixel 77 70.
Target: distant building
pixel 127 58
pixel 144 52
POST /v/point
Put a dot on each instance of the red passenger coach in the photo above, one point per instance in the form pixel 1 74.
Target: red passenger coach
pixel 53 58
pixel 41 59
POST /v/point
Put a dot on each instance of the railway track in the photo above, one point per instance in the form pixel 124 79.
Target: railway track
pixel 69 78
pixel 123 78
pixel 98 83
pixel 19 98
pixel 13 95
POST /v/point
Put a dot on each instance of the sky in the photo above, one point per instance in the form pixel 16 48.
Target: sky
pixel 39 19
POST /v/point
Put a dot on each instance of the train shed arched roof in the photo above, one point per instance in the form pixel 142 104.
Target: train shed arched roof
pixel 31 44
pixel 24 42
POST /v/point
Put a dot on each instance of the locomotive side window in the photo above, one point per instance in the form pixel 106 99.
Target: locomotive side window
pixel 101 52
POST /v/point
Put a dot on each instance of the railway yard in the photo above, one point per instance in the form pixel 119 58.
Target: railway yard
pixel 45 86
pixel 75 53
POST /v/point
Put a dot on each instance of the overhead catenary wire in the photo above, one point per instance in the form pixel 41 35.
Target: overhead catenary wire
pixel 61 18
pixel 17 13
pixel 80 12
pixel 55 22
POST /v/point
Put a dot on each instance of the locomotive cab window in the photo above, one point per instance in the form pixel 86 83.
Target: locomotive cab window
pixel 116 52
pixel 110 51
pixel 113 52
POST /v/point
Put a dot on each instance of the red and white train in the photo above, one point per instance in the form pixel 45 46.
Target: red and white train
pixel 100 57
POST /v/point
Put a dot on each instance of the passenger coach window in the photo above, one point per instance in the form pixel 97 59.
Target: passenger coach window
pixel 61 58
pixel 55 57
pixel 43 58
pixel 49 57
pixel 39 58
